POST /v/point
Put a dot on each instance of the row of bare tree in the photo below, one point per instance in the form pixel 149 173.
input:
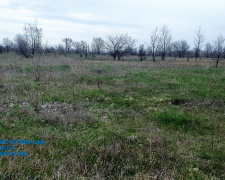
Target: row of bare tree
pixel 117 45
pixel 27 44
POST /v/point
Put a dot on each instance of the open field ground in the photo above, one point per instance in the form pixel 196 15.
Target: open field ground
pixel 104 119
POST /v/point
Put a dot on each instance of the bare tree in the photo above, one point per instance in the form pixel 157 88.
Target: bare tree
pixel 199 39
pixel 68 43
pixel 188 55
pixel 7 43
pixel 164 41
pixel 170 49
pixel 134 51
pixel 208 50
pixel 81 48
pixel 34 36
pixel 180 48
pixel 22 45
pixel 78 48
pixel 142 52
pixel 97 45
pixel 218 48
pixel 154 40
pixel 85 48
pixel 31 41
pixel 60 49
pixel 119 45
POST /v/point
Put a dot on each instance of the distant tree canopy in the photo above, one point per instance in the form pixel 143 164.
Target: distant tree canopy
pixel 180 48
pixel 142 52
pixel 97 45
pixel 8 44
pixel 117 45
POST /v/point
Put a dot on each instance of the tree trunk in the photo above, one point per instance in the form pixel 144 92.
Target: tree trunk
pixel 217 62
pixel 33 51
pixel 153 56
pixel 163 56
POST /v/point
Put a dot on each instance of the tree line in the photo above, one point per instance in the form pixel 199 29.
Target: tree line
pixel 117 45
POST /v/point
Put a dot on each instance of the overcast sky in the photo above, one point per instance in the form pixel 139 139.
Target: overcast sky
pixel 85 19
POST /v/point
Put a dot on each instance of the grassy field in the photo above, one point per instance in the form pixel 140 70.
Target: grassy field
pixel 104 119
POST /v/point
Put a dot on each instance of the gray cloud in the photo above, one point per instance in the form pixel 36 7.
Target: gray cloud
pixel 86 19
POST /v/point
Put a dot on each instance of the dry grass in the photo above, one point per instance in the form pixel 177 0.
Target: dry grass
pixel 104 119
